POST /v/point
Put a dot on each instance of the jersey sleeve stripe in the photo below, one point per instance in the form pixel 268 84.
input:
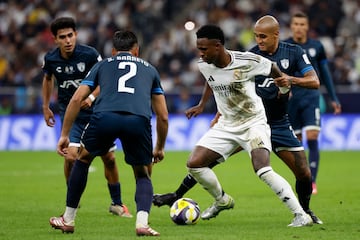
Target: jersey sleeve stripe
pixel 307 69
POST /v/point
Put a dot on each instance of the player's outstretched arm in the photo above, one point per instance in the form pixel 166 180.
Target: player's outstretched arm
pixel 47 89
pixel 162 122
pixel 196 110
pixel 326 78
pixel 310 80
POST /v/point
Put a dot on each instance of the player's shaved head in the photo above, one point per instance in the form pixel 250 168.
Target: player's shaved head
pixel 269 23
pixel 266 31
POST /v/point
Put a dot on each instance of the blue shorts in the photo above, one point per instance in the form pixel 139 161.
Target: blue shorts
pixel 304 113
pixel 283 137
pixel 133 131
pixel 76 131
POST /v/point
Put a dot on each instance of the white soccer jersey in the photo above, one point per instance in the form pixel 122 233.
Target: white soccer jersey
pixel 234 88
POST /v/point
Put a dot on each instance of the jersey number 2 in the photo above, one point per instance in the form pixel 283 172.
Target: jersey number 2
pixel 126 76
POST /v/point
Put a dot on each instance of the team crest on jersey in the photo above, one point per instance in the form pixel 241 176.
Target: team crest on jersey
pixel 284 63
pixel 69 69
pixel 237 74
pixel 312 52
pixel 81 66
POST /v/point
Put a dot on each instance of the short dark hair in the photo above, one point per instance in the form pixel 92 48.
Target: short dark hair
pixel 61 23
pixel 124 40
pixel 211 32
pixel 300 15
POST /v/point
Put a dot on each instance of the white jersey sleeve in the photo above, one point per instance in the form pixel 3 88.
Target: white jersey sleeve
pixel 234 88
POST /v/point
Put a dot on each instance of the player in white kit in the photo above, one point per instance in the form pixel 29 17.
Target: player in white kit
pixel 243 123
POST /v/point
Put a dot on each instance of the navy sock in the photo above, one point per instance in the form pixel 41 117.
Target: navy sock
pixel 304 190
pixel 143 194
pixel 77 183
pixel 115 193
pixel 185 186
pixel 314 157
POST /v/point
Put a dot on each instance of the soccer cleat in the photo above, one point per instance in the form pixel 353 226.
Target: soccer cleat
pixel 121 211
pixel 164 199
pixel 314 218
pixel 314 188
pixel 301 220
pixel 146 231
pixel 216 208
pixel 59 223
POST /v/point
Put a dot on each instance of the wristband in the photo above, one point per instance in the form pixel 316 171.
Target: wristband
pixel 284 90
pixel 91 97
pixel 290 81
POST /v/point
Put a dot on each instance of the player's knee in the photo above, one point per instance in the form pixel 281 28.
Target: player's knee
pixel 312 134
pixel 70 158
pixel 303 174
pixel 141 171
pixel 109 163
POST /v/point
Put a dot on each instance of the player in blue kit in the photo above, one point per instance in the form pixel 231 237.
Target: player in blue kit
pixel 304 106
pixel 130 90
pixel 284 142
pixel 68 64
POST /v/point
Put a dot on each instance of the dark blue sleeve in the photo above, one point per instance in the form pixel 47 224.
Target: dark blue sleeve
pixel 91 79
pixel 326 79
pixel 156 87
pixel 46 68
pixel 303 62
pixel 325 75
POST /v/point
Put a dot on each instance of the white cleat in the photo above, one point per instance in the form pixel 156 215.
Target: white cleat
pixel 216 208
pixel 301 220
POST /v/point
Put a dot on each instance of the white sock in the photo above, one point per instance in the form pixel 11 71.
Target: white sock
pixel 281 188
pixel 208 180
pixel 142 219
pixel 70 214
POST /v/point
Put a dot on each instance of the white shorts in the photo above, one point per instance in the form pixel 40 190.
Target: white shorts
pixel 225 142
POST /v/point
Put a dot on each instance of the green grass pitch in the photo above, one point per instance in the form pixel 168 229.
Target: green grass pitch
pixel 32 189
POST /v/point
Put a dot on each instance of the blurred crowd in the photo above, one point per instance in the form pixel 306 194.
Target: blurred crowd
pixel 165 42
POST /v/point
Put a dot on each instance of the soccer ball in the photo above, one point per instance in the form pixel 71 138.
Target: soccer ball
pixel 185 211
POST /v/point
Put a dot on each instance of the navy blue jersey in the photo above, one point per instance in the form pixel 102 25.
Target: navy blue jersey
pixel 70 72
pixel 126 84
pixel 314 50
pixel 290 59
pixel 316 54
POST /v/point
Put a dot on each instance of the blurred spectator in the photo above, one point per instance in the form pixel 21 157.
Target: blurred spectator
pixel 183 100
pixel 24 36
pixel 6 107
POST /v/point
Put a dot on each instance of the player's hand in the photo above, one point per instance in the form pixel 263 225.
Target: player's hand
pixel 86 103
pixel 49 117
pixel 283 81
pixel 158 155
pixel 62 145
pixel 337 107
pixel 215 119
pixel 194 111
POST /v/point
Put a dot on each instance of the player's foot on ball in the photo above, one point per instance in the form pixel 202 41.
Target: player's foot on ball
pixel 217 207
pixel 164 199
pixel 314 218
pixel 59 223
pixel 121 211
pixel 146 231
